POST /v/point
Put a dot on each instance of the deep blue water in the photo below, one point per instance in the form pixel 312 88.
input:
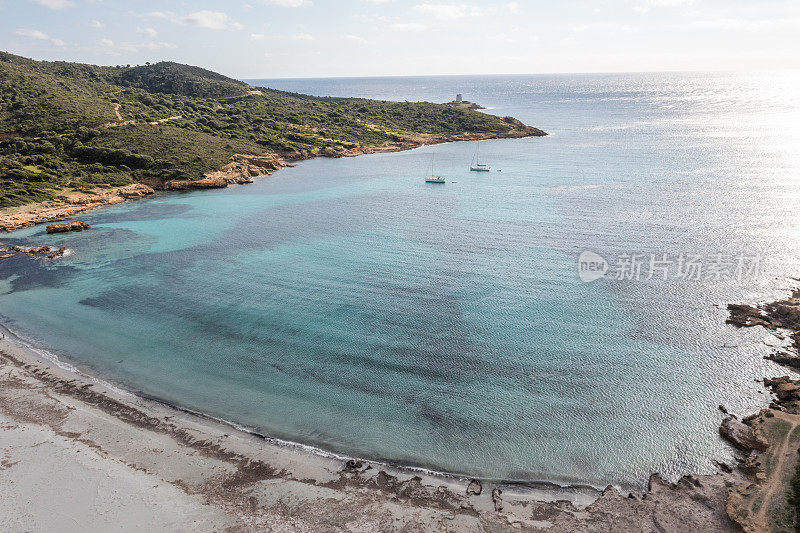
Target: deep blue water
pixel 349 305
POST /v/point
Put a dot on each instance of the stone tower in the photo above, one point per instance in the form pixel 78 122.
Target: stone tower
pixel 459 98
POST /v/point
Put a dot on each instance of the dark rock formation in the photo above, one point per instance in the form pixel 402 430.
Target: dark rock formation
pixel 497 499
pixel 787 393
pixel 474 487
pixel 352 464
pixel 745 316
pixel 67 226
pixel 786 359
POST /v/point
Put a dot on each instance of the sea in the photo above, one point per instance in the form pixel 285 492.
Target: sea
pixel 558 319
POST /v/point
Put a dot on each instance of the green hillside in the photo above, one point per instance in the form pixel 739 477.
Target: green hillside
pixel 70 126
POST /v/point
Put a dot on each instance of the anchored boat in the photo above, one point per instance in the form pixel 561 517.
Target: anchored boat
pixel 476 164
pixel 433 178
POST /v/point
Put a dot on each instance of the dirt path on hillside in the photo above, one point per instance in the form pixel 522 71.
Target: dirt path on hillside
pixel 121 122
pixel 773 490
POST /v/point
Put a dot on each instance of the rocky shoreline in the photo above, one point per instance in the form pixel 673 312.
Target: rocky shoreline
pixel 770 439
pixel 60 210
pixel 241 170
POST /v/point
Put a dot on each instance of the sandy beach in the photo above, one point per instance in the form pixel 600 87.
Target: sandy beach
pixel 76 455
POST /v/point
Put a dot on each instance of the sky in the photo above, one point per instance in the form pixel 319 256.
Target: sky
pixel 324 38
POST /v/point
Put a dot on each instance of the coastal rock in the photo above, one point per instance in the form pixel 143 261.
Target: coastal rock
pixel 240 170
pixel 135 191
pixel 497 499
pixel 786 391
pixel 33 251
pixel 352 465
pixel 474 487
pixel 746 316
pixel 58 253
pixel 786 313
pixel 786 359
pixel 59 210
pixel 67 226
pixel 205 183
pixel 741 435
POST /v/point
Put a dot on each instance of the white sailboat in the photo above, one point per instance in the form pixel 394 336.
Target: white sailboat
pixel 433 177
pixel 476 164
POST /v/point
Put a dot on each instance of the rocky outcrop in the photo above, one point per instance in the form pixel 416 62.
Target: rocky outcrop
pixel 64 227
pixel 785 359
pixel 497 499
pixel 787 393
pixel 741 435
pixel 7 252
pixel 240 170
pixel 781 314
pixel 58 210
pixel 746 316
pixel 474 487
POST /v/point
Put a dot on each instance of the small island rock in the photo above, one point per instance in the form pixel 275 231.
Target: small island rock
pixel 63 227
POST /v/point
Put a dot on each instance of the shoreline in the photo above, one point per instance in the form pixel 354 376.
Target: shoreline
pixel 294 471
pixel 29 353
pixel 240 171
pixel 35 384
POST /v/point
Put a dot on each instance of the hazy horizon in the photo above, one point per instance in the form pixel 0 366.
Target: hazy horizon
pixel 378 38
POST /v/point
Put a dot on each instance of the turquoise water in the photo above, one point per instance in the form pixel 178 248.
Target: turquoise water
pixel 348 305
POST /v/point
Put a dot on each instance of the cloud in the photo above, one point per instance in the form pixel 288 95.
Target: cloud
pixel 150 32
pixel 355 38
pixel 96 24
pixel 443 11
pixel 747 25
pixel 453 11
pixel 668 3
pixel 645 5
pixel 258 36
pixel 288 3
pixel 302 37
pixel 39 36
pixel 55 4
pixel 409 26
pixel 214 20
